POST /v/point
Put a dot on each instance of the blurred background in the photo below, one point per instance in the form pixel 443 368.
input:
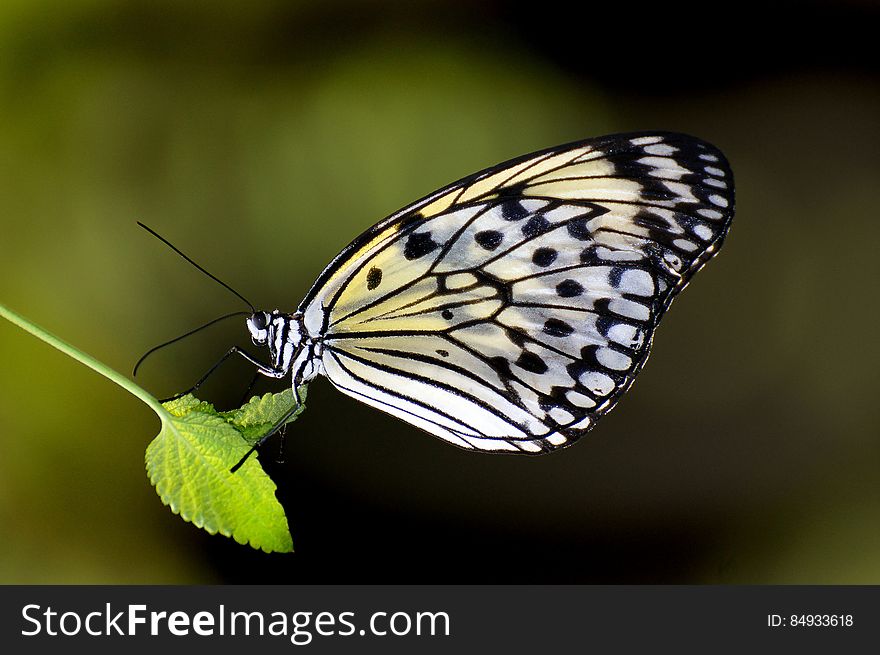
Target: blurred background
pixel 261 137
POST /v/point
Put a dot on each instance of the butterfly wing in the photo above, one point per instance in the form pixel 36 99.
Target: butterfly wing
pixel 510 310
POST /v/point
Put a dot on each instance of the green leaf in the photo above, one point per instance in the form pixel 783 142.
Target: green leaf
pixel 189 461
pixel 189 465
pixel 261 413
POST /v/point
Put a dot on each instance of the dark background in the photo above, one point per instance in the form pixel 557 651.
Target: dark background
pixel 261 137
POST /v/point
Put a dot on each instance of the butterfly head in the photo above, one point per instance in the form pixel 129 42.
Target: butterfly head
pixel 260 325
pixel 279 332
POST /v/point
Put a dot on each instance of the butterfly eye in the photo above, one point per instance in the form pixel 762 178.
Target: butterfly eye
pixel 258 327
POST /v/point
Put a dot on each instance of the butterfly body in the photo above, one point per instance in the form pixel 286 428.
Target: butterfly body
pixel 510 310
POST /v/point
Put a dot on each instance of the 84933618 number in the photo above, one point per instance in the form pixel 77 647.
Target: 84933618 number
pixel 821 620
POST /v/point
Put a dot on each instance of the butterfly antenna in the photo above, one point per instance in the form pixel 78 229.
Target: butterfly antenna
pixel 183 336
pixel 213 277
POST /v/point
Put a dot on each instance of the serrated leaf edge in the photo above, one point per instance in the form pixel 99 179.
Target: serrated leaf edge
pixel 198 520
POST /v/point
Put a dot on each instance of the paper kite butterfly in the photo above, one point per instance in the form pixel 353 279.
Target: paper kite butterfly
pixel 509 311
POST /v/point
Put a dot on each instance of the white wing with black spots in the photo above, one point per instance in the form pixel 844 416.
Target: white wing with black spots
pixel 510 310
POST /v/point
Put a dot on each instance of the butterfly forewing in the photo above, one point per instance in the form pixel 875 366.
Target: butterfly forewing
pixel 510 310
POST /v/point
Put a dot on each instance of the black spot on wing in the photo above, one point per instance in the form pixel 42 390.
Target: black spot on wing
pixel 556 328
pixel 590 255
pixel 419 244
pixel 615 275
pixel 489 239
pixel 514 191
pixel 512 210
pixel 557 398
pixel 589 362
pixel 543 257
pixel 374 278
pixel 589 357
pixel 531 362
pixel 577 228
pixel 604 325
pixel 536 226
pixel 650 221
pixel 517 338
pixel 653 189
pixel 569 288
pixel 501 366
pixel 602 305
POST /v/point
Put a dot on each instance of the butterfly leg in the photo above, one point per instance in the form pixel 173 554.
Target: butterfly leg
pixel 278 426
pixel 268 371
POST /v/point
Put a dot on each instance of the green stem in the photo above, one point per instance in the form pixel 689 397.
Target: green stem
pixel 81 357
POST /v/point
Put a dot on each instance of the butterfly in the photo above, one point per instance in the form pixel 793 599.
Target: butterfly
pixel 509 311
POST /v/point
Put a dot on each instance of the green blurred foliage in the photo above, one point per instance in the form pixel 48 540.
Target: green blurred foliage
pixel 261 137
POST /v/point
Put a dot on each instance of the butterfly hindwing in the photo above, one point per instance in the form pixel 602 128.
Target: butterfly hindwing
pixel 511 309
